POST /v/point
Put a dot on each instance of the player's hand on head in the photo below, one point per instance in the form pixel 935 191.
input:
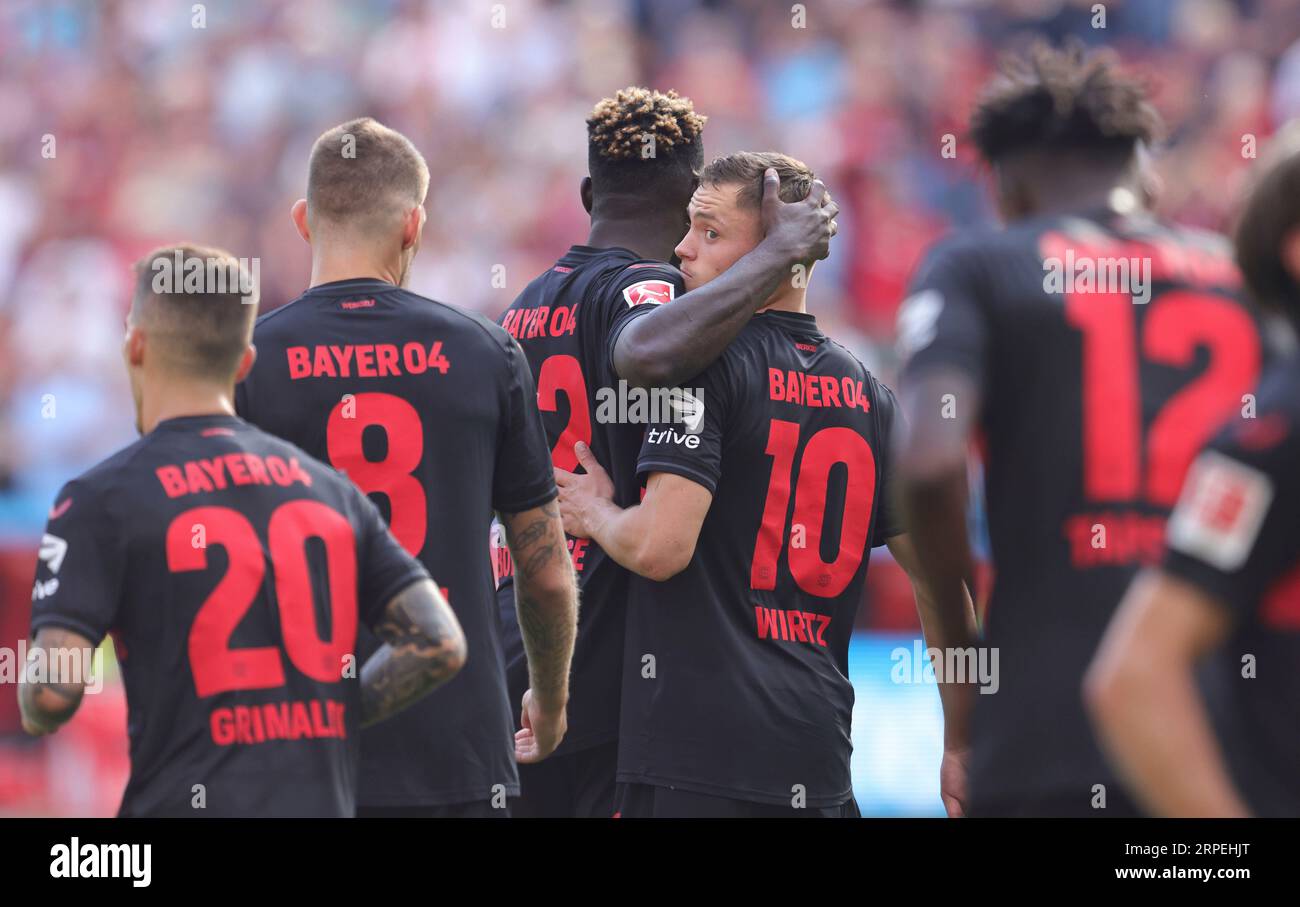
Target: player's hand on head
pixel 802 229
pixel 581 493
pixel 543 729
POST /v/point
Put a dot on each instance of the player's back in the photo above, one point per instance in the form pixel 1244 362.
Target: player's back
pixel 1107 349
pixel 750 694
pixel 418 403
pixel 231 570
pixel 563 321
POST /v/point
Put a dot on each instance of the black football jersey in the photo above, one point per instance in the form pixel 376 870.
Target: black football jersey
pixel 567 320
pixel 1235 534
pixel 431 411
pixel 234 573
pixel 735 677
pixel 1107 349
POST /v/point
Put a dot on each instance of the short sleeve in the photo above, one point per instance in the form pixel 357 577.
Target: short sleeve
pixel 636 291
pixel 80 569
pixel 523 478
pixel 689 442
pixel 1235 530
pixel 942 323
pixel 889 522
pixel 384 568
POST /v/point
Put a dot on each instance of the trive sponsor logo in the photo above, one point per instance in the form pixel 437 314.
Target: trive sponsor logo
pixel 672 436
pixel 75 860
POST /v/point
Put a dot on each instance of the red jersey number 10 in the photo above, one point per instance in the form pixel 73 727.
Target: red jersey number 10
pixel 823 450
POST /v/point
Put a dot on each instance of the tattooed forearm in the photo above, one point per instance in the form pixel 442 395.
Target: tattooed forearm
pixel 546 597
pixel 423 648
pixel 548 641
pixel 533 539
pixel 54 678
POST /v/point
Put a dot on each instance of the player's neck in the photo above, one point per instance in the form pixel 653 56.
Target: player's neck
pixel 1084 193
pixel 645 246
pixel 632 224
pixel 792 299
pixel 328 267
pixel 174 399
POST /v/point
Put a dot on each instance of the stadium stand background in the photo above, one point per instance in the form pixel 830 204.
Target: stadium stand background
pixel 165 131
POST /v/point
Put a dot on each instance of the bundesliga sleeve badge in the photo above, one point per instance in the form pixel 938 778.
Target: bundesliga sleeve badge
pixel 1221 511
pixel 656 292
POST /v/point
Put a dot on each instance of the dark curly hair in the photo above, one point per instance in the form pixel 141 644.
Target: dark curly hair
pixel 640 138
pixel 1059 100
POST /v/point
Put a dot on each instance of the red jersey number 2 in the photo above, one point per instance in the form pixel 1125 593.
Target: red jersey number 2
pixel 562 374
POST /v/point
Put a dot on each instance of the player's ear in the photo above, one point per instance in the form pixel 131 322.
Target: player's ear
pixel 133 346
pixel 412 225
pixel 584 190
pixel 246 363
pixel 299 214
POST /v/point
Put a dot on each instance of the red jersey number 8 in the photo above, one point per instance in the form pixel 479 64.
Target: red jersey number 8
pixel 392 476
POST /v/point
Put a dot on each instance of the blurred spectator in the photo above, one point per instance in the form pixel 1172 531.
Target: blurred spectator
pixel 130 123
pixel 137 122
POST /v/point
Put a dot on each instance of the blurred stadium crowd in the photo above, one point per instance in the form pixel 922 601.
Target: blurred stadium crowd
pixel 162 131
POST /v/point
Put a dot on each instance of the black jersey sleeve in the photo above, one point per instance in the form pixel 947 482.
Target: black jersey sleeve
pixel 80 572
pixel 1235 530
pixel 889 521
pixel 633 292
pixel 523 478
pixel 688 441
pixel 942 323
pixel 384 568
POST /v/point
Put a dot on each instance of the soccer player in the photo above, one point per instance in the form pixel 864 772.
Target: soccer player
pixel 593 329
pixel 750 546
pixel 1228 592
pixel 1090 349
pixel 432 411
pixel 231 569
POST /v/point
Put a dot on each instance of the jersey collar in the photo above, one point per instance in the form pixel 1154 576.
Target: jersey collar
pixel 350 285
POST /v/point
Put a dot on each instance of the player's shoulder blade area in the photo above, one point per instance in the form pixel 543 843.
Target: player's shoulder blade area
pixel 200 459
